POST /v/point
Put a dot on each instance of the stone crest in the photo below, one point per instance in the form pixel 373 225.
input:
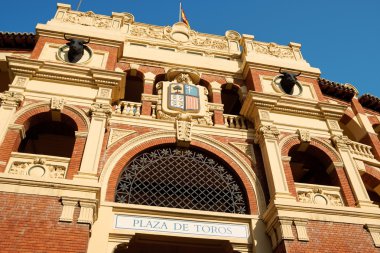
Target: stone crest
pixel 181 95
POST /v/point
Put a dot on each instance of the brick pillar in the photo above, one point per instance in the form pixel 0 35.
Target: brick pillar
pixel 146 107
pixel 217 100
pixel 289 175
pixel 76 156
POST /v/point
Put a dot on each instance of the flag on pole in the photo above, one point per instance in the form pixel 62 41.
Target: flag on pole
pixel 183 16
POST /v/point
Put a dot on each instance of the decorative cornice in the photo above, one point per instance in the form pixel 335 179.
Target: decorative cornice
pixel 290 105
pixel 75 75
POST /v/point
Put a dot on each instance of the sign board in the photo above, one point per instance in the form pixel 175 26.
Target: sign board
pixel 177 226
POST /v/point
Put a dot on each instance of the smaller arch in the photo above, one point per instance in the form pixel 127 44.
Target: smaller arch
pixel 78 115
pixel 315 163
pixel 231 99
pixel 134 86
pixel 371 180
pixel 289 141
pixel 47 137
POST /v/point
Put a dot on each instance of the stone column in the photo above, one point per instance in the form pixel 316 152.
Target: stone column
pixel 267 138
pixel 8 105
pixel 91 155
pixel 362 199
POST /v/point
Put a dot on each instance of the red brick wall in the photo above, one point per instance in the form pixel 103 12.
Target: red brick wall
pixel 29 223
pixel 329 237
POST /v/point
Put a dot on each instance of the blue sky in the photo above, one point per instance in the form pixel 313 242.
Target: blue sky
pixel 341 37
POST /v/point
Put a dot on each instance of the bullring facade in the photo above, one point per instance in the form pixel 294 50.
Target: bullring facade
pixel 165 139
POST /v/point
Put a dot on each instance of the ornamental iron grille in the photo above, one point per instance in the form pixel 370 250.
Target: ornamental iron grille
pixel 180 178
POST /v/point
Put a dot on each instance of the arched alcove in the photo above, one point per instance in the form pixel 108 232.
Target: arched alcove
pixel 134 86
pixel 191 178
pixel 47 137
pixel 231 99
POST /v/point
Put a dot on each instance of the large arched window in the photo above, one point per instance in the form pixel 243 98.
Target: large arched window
pixel 181 178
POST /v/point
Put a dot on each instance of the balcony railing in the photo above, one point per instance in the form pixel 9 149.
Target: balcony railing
pixel 322 195
pixel 128 108
pixel 35 165
pixel 235 121
pixel 360 150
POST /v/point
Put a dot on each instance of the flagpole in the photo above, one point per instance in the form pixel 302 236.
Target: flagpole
pixel 80 2
pixel 180 8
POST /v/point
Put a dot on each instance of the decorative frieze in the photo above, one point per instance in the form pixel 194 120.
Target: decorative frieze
pixel 10 98
pixel 37 165
pixel 273 49
pixel 319 195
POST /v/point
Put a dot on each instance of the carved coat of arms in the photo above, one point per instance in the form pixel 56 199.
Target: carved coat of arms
pixel 182 96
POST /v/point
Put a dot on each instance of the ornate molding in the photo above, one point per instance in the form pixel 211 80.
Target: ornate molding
pixel 273 49
pixel 246 148
pixel 68 209
pixel 57 103
pixel 319 196
pixel 101 110
pixel 184 126
pixel 118 134
pixel 341 141
pixel 304 135
pixel 149 98
pixel 39 167
pixel 10 98
pixel 267 131
pixel 88 212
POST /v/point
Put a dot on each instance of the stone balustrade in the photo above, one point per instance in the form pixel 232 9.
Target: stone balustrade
pixel 36 165
pixel 322 195
pixel 128 108
pixel 234 121
pixel 360 150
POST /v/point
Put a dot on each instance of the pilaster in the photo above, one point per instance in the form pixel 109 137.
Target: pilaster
pixel 91 155
pixel 9 102
pixel 267 138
